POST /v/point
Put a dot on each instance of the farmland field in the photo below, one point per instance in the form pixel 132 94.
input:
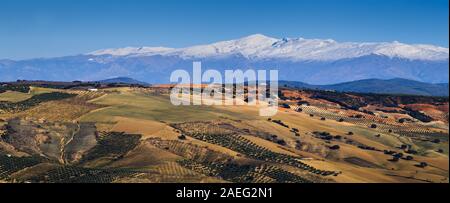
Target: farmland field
pixel 131 134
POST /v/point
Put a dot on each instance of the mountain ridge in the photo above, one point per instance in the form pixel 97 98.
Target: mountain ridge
pixel 394 86
pixel 123 80
pixel 154 65
pixel 259 46
pixel 379 86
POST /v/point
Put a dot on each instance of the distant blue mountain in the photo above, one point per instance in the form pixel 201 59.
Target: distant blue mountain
pixel 123 80
pixel 157 69
pixel 391 86
pixel 313 61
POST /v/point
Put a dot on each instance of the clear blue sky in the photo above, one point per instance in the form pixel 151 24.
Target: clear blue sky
pixel 44 28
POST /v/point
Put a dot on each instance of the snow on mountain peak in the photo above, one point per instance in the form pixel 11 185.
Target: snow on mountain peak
pixel 259 46
pixel 257 37
pixel 248 46
pixel 424 52
pixel 132 50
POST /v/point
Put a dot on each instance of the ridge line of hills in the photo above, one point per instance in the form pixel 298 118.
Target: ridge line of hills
pixel 377 86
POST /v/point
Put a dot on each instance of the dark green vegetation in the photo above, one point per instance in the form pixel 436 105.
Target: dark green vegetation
pixel 111 145
pixel 49 84
pixel 10 164
pixel 418 115
pixel 244 173
pixel 74 174
pixel 58 173
pixel 348 100
pixel 16 88
pixel 33 101
pixel 114 82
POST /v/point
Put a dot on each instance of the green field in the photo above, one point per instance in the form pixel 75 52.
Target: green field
pixel 149 107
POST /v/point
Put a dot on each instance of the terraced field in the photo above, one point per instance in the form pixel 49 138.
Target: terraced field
pixel 110 146
pixel 414 131
pixel 73 174
pixel 244 146
pixel 10 164
pixel 244 173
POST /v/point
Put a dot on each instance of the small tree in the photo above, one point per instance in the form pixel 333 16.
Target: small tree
pixel 436 141
pixel 182 137
pixel 335 147
pixel 422 164
pixel 286 106
pixel 398 155
pixel 281 142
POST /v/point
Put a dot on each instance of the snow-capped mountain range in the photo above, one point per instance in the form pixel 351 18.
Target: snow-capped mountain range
pixel 314 61
pixel 259 46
